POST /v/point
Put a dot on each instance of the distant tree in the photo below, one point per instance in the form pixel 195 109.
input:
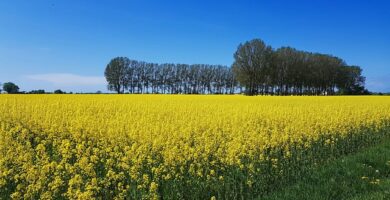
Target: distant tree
pixel 59 92
pixel 10 88
pixel 116 74
pixel 98 92
pixel 37 92
pixel 1 88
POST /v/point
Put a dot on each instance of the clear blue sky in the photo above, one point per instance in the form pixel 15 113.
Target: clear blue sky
pixel 66 44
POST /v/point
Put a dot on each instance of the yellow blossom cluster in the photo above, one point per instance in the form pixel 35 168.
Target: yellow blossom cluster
pixel 175 146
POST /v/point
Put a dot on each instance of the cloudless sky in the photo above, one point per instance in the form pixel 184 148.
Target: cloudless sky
pixel 66 44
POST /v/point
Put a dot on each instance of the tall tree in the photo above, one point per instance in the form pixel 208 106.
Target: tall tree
pixel 251 61
pixel 116 74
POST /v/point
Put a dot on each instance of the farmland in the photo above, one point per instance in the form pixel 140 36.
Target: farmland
pixel 176 146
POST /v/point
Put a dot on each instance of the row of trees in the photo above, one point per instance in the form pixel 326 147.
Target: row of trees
pixel 125 75
pixel 263 70
pixel 40 91
pixel 258 69
pixel 12 88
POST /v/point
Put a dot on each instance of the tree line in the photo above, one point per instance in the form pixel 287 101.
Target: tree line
pixel 286 71
pixel 125 75
pixel 12 88
pixel 257 69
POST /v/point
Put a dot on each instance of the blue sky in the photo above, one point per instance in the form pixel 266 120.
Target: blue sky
pixel 66 44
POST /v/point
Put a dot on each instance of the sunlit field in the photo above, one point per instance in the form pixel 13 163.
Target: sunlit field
pixel 175 146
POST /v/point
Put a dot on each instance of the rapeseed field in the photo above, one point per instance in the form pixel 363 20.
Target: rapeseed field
pixel 175 146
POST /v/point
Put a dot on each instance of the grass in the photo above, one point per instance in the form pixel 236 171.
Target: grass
pixel 363 175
